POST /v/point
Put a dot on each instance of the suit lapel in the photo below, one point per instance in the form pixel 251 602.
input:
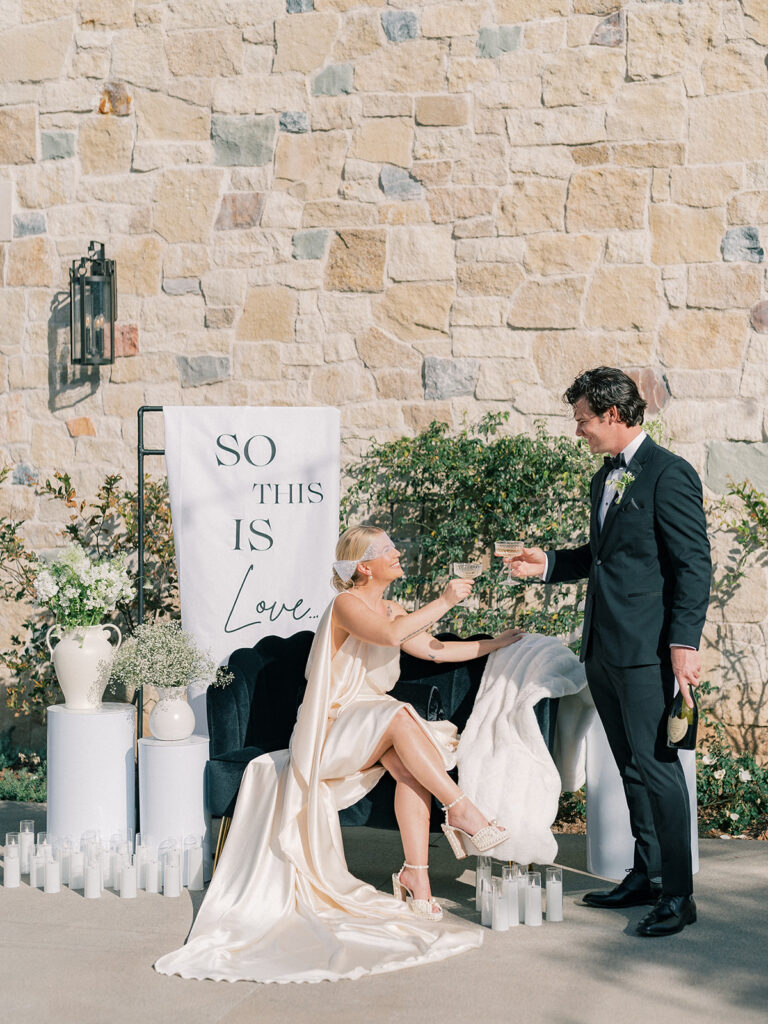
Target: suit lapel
pixel 635 467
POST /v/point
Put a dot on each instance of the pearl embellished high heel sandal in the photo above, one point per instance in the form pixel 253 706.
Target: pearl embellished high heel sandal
pixel 429 909
pixel 462 842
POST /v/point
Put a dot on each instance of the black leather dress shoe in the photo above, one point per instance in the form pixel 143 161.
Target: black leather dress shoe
pixel 670 915
pixel 634 890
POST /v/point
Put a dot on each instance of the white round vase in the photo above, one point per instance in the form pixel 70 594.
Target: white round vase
pixel 172 718
pixel 82 659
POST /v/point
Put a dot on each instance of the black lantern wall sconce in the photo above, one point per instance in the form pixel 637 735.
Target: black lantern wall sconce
pixel 92 308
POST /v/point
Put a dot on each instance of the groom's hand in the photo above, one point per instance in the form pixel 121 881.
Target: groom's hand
pixel 531 562
pixel 686 664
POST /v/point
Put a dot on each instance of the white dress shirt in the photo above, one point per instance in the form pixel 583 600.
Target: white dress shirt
pixel 609 490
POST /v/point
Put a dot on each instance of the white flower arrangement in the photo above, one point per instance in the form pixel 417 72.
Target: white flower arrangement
pixel 162 654
pixel 622 483
pixel 80 592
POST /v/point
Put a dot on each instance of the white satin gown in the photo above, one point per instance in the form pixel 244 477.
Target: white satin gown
pixel 282 905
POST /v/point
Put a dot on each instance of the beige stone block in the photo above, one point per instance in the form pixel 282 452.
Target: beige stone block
pixel 268 315
pixel 338 212
pixel 442 110
pixel 724 286
pixel 50 183
pixel 449 20
pixel 138 56
pixel 139 261
pixel 304 41
pixel 483 162
pixel 756 20
pixel 379 350
pixel 105 14
pixel 596 6
pixel 341 384
pixel 648 110
pixel 700 339
pixel 415 66
pixel 18 135
pixel 26 371
pixel 34 53
pixel 400 384
pixel 165 117
pixel 649 154
pixel 32 262
pixel 387 104
pixel 282 210
pixel 583 76
pixel 361 34
pixel 559 356
pixel 502 249
pixel 186 202
pixel 186 260
pixel 723 129
pixel 561 254
pixel 256 362
pixel 259 94
pixel 316 160
pixel 529 205
pixel 736 67
pixel 574 126
pixel 421 254
pixel 12 316
pixel 682 234
pixel 335 112
pixel 356 261
pixel 601 198
pixel 224 287
pixel 510 11
pixel 628 247
pixel 447 205
pixel 415 311
pixel 548 161
pixel 660 185
pixel 664 39
pixel 207 52
pixel 490 278
pixel 401 213
pixel 384 140
pixel 705 186
pixel 105 145
pixel 623 298
pixel 547 304
pixel 749 208
pixel 478 311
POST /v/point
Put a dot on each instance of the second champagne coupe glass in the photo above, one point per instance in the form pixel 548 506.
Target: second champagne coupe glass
pixel 507 549
pixel 467 571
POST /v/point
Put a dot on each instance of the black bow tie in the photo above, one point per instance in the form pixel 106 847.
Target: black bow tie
pixel 614 461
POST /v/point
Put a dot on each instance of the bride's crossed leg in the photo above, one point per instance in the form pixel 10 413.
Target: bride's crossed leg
pixel 414 762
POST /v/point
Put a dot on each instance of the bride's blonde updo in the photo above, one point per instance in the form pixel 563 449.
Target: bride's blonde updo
pixel 351 546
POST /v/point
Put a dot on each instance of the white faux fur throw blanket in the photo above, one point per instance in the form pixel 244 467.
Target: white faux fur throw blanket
pixel 504 764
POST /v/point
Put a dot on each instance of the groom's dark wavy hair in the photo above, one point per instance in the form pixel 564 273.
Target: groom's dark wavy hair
pixel 604 387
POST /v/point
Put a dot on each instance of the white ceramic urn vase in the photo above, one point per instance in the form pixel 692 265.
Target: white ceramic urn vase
pixel 82 659
pixel 172 718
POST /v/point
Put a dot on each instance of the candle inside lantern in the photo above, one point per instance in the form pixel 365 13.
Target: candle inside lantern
pixel 63 850
pixel 172 873
pixel 76 869
pixel 500 909
pixel 483 869
pixel 52 874
pixel 486 902
pixel 37 871
pixel 152 876
pixel 26 844
pixel 12 861
pixel 533 899
pixel 128 882
pixel 509 875
pixel 92 881
pixel 554 894
pixel 522 886
pixel 193 857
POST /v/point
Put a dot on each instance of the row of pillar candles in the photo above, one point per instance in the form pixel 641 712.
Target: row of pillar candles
pixel 516 897
pixel 94 864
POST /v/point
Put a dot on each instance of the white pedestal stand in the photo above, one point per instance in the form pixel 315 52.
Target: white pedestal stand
pixel 171 795
pixel 610 846
pixel 91 771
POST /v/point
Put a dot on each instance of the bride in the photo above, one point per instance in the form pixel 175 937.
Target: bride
pixel 282 905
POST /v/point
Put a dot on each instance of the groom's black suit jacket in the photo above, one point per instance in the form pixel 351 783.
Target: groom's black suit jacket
pixel 649 567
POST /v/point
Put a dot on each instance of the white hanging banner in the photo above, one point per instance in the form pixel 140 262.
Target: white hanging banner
pixel 255 506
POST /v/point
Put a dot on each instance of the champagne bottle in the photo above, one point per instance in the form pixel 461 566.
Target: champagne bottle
pixel 682 723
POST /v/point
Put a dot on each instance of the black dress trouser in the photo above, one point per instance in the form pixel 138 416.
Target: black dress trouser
pixel 631 703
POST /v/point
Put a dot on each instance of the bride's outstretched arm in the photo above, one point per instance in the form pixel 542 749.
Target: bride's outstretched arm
pixel 430 649
pixel 400 626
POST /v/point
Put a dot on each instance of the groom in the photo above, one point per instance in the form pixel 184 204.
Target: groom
pixel 648 566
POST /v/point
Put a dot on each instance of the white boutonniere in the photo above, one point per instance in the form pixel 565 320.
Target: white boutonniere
pixel 622 484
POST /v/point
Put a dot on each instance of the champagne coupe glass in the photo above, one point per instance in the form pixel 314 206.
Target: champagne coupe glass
pixel 507 549
pixel 467 571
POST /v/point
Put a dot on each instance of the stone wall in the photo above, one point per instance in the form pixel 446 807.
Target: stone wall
pixel 411 210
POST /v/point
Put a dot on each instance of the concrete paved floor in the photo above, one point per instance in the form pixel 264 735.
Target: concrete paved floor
pixel 70 961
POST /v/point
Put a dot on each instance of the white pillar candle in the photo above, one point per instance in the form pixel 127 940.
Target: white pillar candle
pixel 509 892
pixel 64 855
pixel 486 903
pixel 152 876
pixel 115 867
pixel 554 894
pixel 533 899
pixel 128 882
pixel 105 865
pixel 172 875
pixel 11 866
pixel 195 869
pixel 522 885
pixel 483 869
pixel 140 863
pixel 92 882
pixel 76 869
pixel 52 873
pixel 37 871
pixel 500 911
pixel 26 846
